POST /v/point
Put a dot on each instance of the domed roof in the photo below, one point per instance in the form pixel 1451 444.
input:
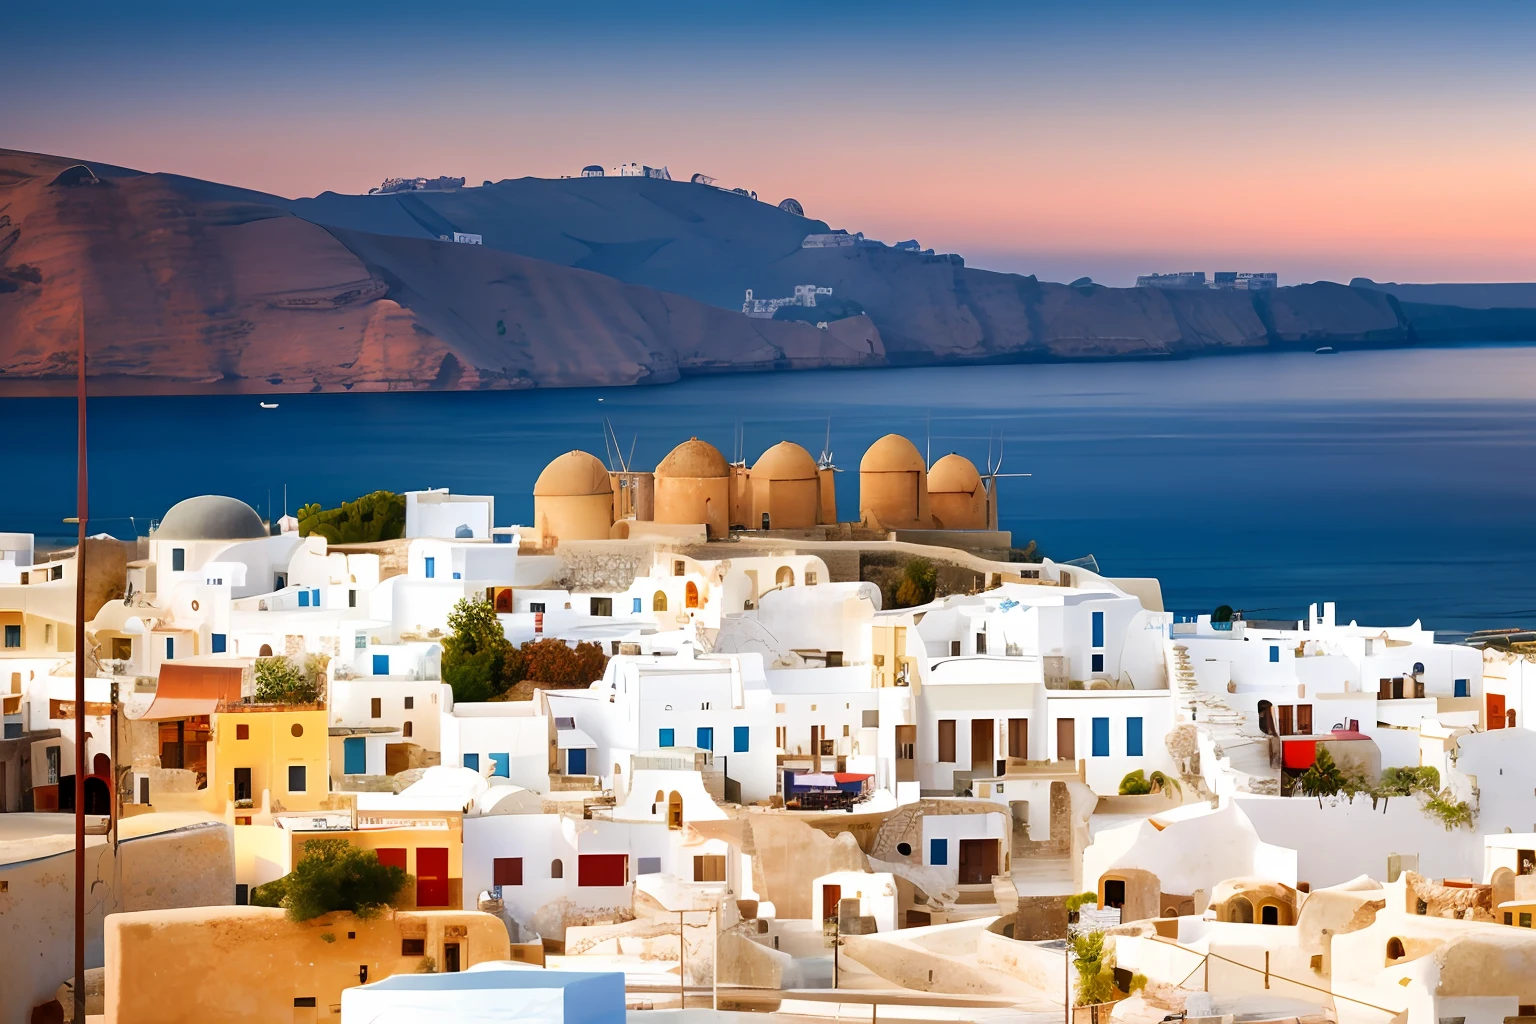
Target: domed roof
pixel 953 474
pixel 574 474
pixel 785 461
pixel 211 517
pixel 694 458
pixel 892 454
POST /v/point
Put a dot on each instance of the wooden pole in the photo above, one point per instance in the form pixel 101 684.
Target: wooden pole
pixel 80 707
pixel 682 955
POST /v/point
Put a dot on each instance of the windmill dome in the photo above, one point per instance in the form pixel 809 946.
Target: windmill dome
pixel 211 517
pixel 574 474
pixel 892 454
pixel 785 461
pixel 953 474
pixel 694 459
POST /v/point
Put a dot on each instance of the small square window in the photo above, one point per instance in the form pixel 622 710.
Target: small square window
pixel 297 778
pixel 413 947
pixel 410 702
pixel 242 731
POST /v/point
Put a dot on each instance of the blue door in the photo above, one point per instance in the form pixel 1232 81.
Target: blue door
pixel 706 738
pixel 217 642
pixel 1101 737
pixel 381 664
pixel 576 761
pixel 501 766
pixel 354 755
pixel 431 568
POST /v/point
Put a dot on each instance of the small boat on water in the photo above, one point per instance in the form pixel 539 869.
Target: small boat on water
pixel 269 405
pixel 1326 350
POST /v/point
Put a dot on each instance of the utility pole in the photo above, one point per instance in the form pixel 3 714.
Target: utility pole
pixel 682 956
pixel 80 520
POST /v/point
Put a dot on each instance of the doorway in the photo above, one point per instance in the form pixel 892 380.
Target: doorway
pixel 1066 739
pixel 1018 738
pixel 978 861
pixel 432 876
pixel 981 745
pixel 242 787
pixel 831 895
pixel 451 958
pixel 1114 893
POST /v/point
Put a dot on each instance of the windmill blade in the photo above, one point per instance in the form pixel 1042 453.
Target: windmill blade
pixel 631 460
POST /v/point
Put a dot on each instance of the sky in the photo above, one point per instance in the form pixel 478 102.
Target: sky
pixel 1318 140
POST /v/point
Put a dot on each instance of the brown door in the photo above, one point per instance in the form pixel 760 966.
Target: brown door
pixel 1384 692
pixel 1287 724
pixel 906 753
pixel 1066 739
pixel 1018 738
pixel 981 745
pixel 830 895
pixel 1495 710
pixel 451 958
pixel 978 861
pixel 1304 719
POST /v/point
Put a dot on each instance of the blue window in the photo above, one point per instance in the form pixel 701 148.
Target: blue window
pixel 12 730
pixel 635 606
pixel 303 599
pixel 743 738
pixel 178 559
pixel 706 737
pixel 501 766
pixel 1098 629
pixel 381 664
pixel 665 739
pixel 314 598
pixel 1274 653
pixel 1096 663
pixel 1101 737
pixel 1463 687
pixel 458 575
pixel 938 851
pixel 297 778
pixel 216 643
pixel 170 648
pixel 1133 737
pixel 13 636
pixel 472 762
pixel 576 761
pixel 431 568
pixel 354 755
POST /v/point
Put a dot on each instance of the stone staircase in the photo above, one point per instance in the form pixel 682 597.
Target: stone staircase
pixel 1243 750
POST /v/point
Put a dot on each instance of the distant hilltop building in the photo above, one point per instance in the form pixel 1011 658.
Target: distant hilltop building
pixel 831 240
pixel 1242 281
pixel 633 170
pixel 792 206
pixel 592 171
pixel 391 185
pixel 462 237
pixel 764 309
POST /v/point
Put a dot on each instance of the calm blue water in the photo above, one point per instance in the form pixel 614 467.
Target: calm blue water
pixel 1399 484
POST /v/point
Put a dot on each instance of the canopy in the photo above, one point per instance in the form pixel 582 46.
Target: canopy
pixel 187 689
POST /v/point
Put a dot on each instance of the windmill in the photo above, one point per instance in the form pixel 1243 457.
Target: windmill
pixel 990 478
pixel 631 497
pixel 824 460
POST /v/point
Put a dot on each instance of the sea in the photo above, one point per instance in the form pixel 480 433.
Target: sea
pixel 1398 483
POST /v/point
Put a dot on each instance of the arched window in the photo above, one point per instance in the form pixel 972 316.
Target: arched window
pixel 659 601
pixel 674 810
pixel 1395 949
pixel 265 652
pixel 556 868
pixel 785 576
pixel 1509 717
pixel 1240 909
pixel 101 765
pixel 691 595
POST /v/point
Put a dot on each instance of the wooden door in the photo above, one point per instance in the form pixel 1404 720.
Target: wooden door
pixel 830 896
pixel 451 958
pixel 1304 719
pixel 1018 738
pixel 978 861
pixel 1066 739
pixel 432 876
pixel 1287 724
pixel 981 745
pixel 1495 710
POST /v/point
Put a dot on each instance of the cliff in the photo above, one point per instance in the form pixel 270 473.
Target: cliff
pixel 193 286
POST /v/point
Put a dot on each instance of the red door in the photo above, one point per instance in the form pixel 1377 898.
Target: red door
pixel 602 869
pixel 432 876
pixel 1495 710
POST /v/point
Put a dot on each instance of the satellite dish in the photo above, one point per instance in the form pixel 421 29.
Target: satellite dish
pixel 702 179
pixel 792 206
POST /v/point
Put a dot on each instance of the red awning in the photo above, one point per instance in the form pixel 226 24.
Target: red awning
pixel 1300 754
pixel 188 690
pixel 850 777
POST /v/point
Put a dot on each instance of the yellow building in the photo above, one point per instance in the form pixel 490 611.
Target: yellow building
pixel 1519 913
pixel 252 964
pixel 573 499
pixel 693 485
pixel 957 496
pixel 893 485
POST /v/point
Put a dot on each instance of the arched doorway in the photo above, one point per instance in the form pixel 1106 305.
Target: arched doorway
pixel 691 595
pixel 1395 949
pixel 1270 914
pixel 98 799
pixel 265 652
pixel 1266 718
pixel 785 576
pixel 659 601
pixel 101 765
pixel 1509 717
pixel 674 810
pixel 1240 910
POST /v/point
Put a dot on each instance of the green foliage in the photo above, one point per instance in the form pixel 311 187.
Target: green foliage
pixel 328 937
pixel 1453 813
pixel 1408 781
pixel 1095 968
pixel 1138 982
pixel 426 965
pixel 1165 783
pixel 1323 778
pixel 1081 900
pixel 1223 613
pixel 1135 784
pixel 478 659
pixel 283 680
pixel 333 875
pixel 270 894
pixel 373 517
pixel 919 579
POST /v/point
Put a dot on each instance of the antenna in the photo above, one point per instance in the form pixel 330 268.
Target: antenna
pixel 631 460
pixel 928 452
pixel 825 461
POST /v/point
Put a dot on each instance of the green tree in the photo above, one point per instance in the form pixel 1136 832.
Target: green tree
pixel 1095 968
pixel 1323 778
pixel 373 517
pixel 283 680
pixel 334 875
pixel 919 579
pixel 479 661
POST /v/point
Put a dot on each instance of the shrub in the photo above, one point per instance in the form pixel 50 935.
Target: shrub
pixel 919 580
pixel 1408 781
pixel 1453 813
pixel 1095 968
pixel 1081 900
pixel 1323 778
pixel 283 680
pixel 373 517
pixel 555 663
pixel 334 875
pixel 1135 784
pixel 478 659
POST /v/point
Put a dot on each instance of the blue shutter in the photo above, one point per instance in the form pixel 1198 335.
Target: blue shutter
pixel 216 643
pixel 1462 688
pixel 1133 737
pixel 1098 629
pixel 303 599
pixel 314 597
pixel 938 851
pixel 636 606
pixel 1274 652
pixel 354 755
pixel 431 568
pixel 1101 737
pixel 472 762
pixel 381 664
pixel 743 738
pixel 706 738
pixel 665 738
pixel 501 766
pixel 576 761
pixel 170 648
